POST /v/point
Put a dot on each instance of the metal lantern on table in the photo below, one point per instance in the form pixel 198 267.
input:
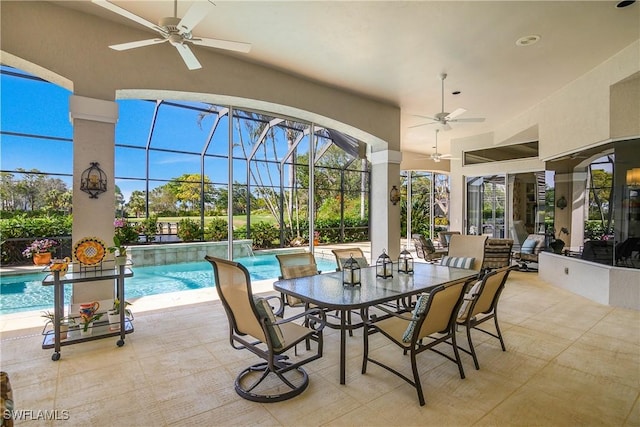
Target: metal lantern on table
pixel 351 272
pixel 405 262
pixel 384 266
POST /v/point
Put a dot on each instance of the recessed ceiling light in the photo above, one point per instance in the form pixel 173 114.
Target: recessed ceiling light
pixel 527 40
pixel 625 3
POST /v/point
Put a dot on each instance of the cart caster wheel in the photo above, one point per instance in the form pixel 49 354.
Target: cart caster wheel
pixel 55 356
pixel 120 343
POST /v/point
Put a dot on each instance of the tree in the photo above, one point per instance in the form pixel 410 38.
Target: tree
pixel 137 203
pixel 186 190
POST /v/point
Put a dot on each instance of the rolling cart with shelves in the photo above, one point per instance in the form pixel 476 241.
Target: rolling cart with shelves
pixel 101 329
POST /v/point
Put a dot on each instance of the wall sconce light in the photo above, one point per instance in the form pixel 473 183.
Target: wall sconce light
pixel 93 181
pixel 394 196
pixel 561 203
pixel 633 177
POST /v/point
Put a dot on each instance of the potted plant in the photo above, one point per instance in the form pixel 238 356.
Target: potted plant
pixel 65 323
pixel 558 244
pixel 114 314
pixel 86 322
pixel 316 238
pixel 40 250
pixel 119 251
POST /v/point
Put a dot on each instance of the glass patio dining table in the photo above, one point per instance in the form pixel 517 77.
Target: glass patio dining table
pixel 327 291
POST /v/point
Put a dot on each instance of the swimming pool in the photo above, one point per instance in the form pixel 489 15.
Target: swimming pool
pixel 25 292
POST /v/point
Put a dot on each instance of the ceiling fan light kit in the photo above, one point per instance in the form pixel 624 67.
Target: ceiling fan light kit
pixel 177 31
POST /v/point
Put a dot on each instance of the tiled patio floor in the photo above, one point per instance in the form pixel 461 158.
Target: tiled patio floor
pixel 569 361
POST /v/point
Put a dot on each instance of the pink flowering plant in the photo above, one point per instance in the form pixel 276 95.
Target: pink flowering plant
pixel 40 246
pixel 125 232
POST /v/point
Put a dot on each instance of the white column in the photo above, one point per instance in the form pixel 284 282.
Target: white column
pixel 93 123
pixel 573 187
pixel 384 224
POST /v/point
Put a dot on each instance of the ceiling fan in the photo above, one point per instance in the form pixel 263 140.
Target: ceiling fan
pixel 435 156
pixel 443 118
pixel 176 31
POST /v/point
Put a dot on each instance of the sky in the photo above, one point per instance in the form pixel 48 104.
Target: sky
pixel 36 107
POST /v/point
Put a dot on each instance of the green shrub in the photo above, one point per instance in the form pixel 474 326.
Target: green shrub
pixel 216 230
pixel 189 230
pixel 264 235
pixel 125 231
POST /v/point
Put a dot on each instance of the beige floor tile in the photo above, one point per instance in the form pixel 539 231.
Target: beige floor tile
pixel 568 361
pixel 608 401
pixel 238 413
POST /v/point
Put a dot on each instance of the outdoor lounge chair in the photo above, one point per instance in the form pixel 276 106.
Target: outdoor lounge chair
pixel 445 237
pixel 432 322
pixel 425 248
pixel 253 326
pixel 480 305
pixel 529 251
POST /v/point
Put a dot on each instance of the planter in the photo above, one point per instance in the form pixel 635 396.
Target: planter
pixel 121 260
pixel 557 246
pixel 42 258
pixel 114 320
pixel 316 242
pixel 88 332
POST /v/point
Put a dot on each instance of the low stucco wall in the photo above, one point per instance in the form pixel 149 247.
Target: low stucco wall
pixel 605 284
pixel 185 252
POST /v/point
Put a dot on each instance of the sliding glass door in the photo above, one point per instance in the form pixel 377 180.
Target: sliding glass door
pixel 486 205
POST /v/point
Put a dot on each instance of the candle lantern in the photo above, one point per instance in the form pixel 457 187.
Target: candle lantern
pixel 350 272
pixel 93 181
pixel 405 262
pixel 384 265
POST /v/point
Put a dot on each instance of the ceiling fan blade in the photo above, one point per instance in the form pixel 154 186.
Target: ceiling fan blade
pixel 470 120
pixel 455 114
pixel 194 15
pixel 425 117
pixel 422 124
pixel 123 12
pixel 223 44
pixel 133 45
pixel 188 57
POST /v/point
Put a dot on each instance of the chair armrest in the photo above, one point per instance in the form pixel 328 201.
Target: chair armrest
pixel 374 317
pixel 316 317
pixel 280 309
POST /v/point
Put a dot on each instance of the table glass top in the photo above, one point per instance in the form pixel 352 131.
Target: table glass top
pixel 327 290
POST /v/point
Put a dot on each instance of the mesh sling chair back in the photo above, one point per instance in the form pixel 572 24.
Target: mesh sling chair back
pixel 480 304
pixel 253 326
pixel 342 255
pixel 294 265
pixel 431 323
pixel 467 246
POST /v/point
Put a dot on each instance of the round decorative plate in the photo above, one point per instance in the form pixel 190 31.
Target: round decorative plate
pixel 89 251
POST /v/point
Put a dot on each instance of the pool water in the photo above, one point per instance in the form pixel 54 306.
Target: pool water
pixel 25 292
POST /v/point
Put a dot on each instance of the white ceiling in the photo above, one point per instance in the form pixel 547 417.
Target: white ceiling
pixel 395 51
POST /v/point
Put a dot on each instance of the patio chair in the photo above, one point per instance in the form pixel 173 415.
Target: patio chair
pixel 342 255
pixel 432 322
pixel 529 251
pixel 294 265
pixel 497 254
pixel 425 248
pixel 480 305
pixel 445 237
pixel 467 246
pixel 253 326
